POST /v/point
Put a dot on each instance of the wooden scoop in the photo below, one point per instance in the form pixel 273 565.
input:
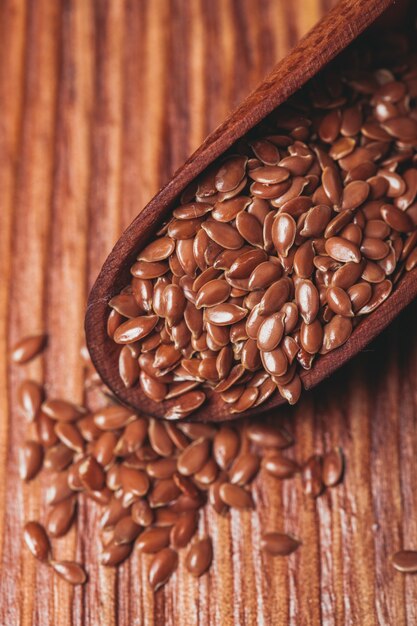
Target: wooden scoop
pixel 328 38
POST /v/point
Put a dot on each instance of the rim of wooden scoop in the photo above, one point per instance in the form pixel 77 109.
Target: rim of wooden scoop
pixel 333 33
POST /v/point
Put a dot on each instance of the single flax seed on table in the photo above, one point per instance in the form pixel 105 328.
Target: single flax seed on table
pixel 270 259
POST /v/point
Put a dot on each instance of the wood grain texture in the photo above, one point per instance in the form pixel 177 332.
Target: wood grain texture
pixel 101 101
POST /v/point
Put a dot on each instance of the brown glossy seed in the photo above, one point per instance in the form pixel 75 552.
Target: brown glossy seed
pixel 215 292
pixel 227 211
pixel 142 513
pixel 244 265
pixel 174 304
pixel 250 228
pixel 270 332
pixel 303 260
pixel 359 295
pixel 373 273
pixel 330 126
pixel 185 404
pixel 60 517
pixel 114 554
pixel 70 571
pixel 177 389
pixel 353 233
pixel 311 336
pixel 192 210
pixel 207 474
pixel 153 539
pixel 214 495
pixel 342 250
pixel 332 185
pixel 128 367
pixel 161 468
pixel 30 460
pixel 91 474
pixel 226 445
pixel 184 529
pixel 104 447
pixel 275 362
pixel 163 492
pixel 142 290
pixel 152 388
pixel 307 300
pixel 280 466
pixel 405 561
pixel 264 275
pixel 347 275
pixel 58 488
pixel 224 314
pixel 355 194
pixel 159 438
pixel 377 229
pixel 125 304
pixel 223 234
pixel 341 148
pixel 279 544
pixel 199 557
pixel 192 459
pixel 28 348
pixel 284 230
pixel 29 398
pixel 37 540
pixel 147 271
pixel 162 567
pixel 235 496
pixel 339 301
pixel 62 410
pixel 396 219
pixel 316 221
pixel 403 202
pixel 244 469
pixel 266 151
pixel 312 476
pixel 158 250
pixel 268 436
pixel 337 223
pixel 290 347
pixel 69 434
pixel 336 333
pixel 246 400
pixel 411 261
pixel 380 292
pixel 132 438
pixel 332 467
pixel 195 430
pixel 269 174
pixel 125 531
pixel 113 417
pixel 133 481
pixel 135 329
pixel 374 249
pixel 58 457
pixel 113 512
pixel 230 173
pixel 351 121
pixel 275 296
pixel 268 192
pixel 291 391
pixel 404 128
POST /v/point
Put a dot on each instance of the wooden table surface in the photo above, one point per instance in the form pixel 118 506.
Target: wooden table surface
pixel 100 101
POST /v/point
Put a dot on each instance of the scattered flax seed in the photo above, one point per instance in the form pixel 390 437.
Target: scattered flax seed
pixel 28 348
